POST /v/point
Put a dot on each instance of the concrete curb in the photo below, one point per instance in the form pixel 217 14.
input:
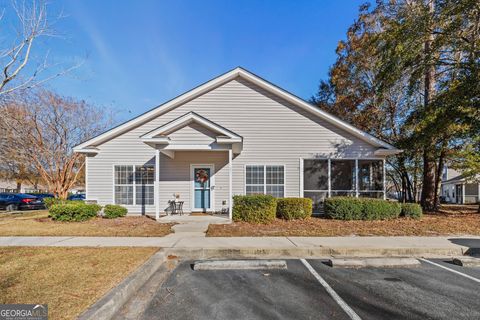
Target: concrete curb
pixel 317 252
pixel 239 265
pixel 373 262
pixel 113 301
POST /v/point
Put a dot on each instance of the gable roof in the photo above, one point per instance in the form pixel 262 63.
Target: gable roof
pixel 463 178
pixel 188 118
pixel 222 79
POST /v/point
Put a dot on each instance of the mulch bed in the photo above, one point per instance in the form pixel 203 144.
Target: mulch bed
pixel 39 224
pixel 448 221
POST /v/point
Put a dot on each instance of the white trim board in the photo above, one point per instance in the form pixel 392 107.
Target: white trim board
pixel 216 82
pixel 188 118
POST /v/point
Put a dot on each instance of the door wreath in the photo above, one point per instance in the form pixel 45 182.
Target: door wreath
pixel 201 176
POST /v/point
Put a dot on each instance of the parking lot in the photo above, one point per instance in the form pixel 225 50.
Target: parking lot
pixel 310 289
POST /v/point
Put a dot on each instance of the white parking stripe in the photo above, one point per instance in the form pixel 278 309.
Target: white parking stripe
pixel 451 270
pixel 331 292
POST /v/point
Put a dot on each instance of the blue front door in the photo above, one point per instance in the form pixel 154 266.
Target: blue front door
pixel 202 192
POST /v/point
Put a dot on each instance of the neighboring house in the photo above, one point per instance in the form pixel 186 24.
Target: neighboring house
pixel 11 186
pixel 457 189
pixel 233 135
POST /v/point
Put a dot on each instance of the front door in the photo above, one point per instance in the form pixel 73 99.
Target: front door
pixel 202 187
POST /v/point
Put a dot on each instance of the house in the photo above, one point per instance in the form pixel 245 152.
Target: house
pixel 235 134
pixel 457 188
pixel 10 185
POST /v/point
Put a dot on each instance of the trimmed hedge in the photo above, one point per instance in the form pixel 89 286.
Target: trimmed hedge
pixel 378 209
pixel 348 208
pixel 53 201
pixel 257 208
pixel 343 208
pixel 294 208
pixel 112 211
pixel 412 210
pixel 73 211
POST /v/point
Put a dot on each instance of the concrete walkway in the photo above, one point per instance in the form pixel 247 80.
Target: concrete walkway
pixel 275 246
pixel 192 226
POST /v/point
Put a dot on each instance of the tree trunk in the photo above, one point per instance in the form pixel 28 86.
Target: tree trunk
pixel 438 178
pixel 428 184
pixel 19 186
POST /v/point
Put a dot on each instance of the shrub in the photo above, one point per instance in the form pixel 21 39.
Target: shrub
pixel 378 209
pixel 412 210
pixel 348 208
pixel 343 208
pixel 112 211
pixel 294 208
pixel 254 208
pixel 52 201
pixel 73 211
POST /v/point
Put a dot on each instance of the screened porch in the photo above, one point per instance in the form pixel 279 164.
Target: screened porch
pixel 322 178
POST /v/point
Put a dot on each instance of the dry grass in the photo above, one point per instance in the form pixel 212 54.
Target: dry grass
pixel 68 279
pixel 37 223
pixel 451 220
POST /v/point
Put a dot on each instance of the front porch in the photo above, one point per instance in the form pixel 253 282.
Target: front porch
pixel 193 165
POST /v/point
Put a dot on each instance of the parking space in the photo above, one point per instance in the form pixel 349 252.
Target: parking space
pixel 424 292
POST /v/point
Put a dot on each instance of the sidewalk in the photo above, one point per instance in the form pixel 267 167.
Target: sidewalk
pixel 189 240
pixel 192 244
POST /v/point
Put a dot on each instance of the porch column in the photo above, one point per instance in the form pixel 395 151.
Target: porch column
pixel 230 195
pixel 384 181
pixel 329 177
pixel 356 178
pixel 478 192
pixel 463 193
pixel 157 184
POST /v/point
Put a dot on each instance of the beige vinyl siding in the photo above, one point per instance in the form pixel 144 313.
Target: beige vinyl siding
pixel 273 130
pixel 192 134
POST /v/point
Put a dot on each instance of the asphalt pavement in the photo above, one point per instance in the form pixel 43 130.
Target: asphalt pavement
pixel 310 289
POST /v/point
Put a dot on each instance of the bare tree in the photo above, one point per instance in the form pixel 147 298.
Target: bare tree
pixel 43 127
pixel 19 70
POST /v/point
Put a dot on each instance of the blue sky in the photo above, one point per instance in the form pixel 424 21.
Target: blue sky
pixel 138 54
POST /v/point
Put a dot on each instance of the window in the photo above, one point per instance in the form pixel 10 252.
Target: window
pixel 255 182
pixel 124 185
pixel 134 184
pixel 275 181
pixel 265 179
pixel 144 189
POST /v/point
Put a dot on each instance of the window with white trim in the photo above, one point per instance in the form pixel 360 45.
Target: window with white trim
pixel 134 185
pixel 123 185
pixel 265 179
pixel 144 188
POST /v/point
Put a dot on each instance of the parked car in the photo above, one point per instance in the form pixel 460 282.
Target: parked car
pixel 20 201
pixel 42 196
pixel 78 197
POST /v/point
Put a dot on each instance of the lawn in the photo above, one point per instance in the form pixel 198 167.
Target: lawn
pixel 37 223
pixel 69 280
pixel 451 220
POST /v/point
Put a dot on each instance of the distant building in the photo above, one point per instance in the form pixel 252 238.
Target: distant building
pixel 456 188
pixel 11 186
